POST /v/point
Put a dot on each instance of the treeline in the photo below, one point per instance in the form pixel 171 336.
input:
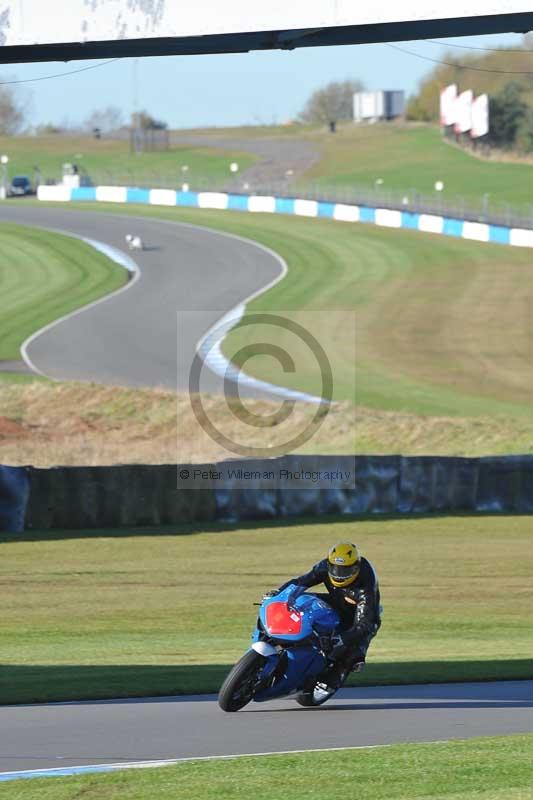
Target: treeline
pixel 15 118
pixel 505 75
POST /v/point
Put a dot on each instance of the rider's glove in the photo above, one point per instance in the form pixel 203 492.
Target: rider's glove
pixel 293 596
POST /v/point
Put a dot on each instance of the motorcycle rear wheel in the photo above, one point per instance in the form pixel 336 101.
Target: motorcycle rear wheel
pixel 238 688
pixel 310 699
pixel 315 696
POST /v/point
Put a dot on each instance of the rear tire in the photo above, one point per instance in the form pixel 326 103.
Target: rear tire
pixel 317 697
pixel 309 700
pixel 238 688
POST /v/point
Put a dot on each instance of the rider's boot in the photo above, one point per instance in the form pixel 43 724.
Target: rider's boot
pixel 336 675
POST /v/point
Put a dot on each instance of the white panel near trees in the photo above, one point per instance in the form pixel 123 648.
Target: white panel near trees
pixel 480 116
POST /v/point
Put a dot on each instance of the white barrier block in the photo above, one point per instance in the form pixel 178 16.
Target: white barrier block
pixel 60 193
pixel 520 237
pixel 213 200
pixel 430 223
pixel 476 230
pixel 345 213
pixel 262 204
pixel 306 208
pixel 162 197
pixel 388 218
pixel 111 194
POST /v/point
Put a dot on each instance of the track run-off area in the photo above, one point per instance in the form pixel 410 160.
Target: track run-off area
pixel 70 738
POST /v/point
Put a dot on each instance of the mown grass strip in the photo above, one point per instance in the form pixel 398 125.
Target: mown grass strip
pixel 498 768
pixel 119 613
pixel 44 276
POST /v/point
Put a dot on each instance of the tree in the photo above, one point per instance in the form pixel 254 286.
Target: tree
pixel 12 114
pixel 508 114
pixel 106 120
pixel 331 103
pixel 483 73
pixel 145 121
pixel 524 136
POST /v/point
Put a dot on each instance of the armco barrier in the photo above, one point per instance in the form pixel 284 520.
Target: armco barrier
pixel 386 217
pixel 113 497
pixel 14 493
pixel 136 495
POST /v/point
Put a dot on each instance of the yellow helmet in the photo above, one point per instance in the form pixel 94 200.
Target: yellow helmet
pixel 343 564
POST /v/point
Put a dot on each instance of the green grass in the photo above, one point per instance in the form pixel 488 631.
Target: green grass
pixel 113 613
pixel 13 377
pixel 433 336
pixel 108 161
pixel 498 768
pixel 44 276
pixel 410 157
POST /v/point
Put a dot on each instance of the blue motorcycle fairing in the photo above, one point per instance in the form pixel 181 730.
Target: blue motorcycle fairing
pixel 316 614
pixel 302 662
pixel 304 659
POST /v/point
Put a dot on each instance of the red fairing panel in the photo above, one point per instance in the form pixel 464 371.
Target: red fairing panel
pixel 280 621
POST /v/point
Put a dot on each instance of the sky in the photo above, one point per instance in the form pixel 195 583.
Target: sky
pixel 224 90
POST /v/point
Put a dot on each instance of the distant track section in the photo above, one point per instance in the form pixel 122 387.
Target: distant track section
pixel 131 338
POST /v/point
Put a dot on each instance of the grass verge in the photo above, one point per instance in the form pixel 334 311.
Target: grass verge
pixel 107 161
pixel 49 424
pixel 44 276
pixel 410 159
pixel 111 613
pixel 496 768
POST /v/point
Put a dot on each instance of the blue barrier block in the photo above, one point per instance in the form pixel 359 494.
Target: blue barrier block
pixel 83 193
pixel 499 234
pixel 14 495
pixel 187 198
pixel 410 220
pixel 452 227
pixel 238 202
pixel 138 196
pixel 284 205
pixel 367 214
pixel 326 209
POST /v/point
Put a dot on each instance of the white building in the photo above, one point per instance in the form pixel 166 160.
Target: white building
pixel 372 106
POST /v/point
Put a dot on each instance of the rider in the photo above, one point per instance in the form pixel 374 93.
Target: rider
pixel 353 590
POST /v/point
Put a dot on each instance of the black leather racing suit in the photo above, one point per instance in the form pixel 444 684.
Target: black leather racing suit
pixel 358 605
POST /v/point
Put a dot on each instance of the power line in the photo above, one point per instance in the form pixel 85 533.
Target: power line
pixel 458 66
pixel 61 74
pixel 516 50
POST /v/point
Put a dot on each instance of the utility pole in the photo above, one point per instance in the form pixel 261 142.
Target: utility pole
pixel 135 112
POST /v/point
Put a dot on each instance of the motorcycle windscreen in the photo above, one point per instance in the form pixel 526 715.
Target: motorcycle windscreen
pixel 282 622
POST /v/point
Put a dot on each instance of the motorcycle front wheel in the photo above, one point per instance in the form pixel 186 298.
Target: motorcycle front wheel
pixel 238 688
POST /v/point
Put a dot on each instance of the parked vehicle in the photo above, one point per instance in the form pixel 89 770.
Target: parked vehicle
pixel 289 653
pixel 20 185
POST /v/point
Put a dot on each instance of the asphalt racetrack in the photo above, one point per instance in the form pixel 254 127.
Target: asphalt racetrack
pixel 64 735
pixel 147 335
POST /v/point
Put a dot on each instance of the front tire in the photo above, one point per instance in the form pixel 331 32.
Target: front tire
pixel 238 688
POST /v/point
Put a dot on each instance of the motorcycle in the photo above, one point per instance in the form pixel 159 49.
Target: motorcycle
pixel 289 653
